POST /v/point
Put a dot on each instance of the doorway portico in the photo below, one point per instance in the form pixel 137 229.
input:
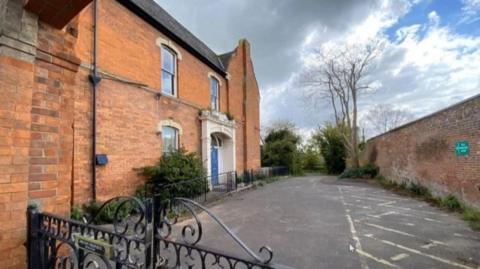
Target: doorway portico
pixel 218 145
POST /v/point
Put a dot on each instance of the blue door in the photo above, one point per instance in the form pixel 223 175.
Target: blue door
pixel 214 165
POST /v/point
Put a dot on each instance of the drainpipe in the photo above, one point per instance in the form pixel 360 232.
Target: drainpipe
pixel 95 80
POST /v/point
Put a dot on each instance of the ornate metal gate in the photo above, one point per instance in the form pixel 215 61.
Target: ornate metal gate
pixel 143 234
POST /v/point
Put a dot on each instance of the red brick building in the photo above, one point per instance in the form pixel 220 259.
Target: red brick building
pixel 157 87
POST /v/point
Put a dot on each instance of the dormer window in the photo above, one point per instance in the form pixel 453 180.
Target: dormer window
pixel 214 90
pixel 169 65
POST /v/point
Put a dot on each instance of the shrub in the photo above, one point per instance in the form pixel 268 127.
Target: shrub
pixel 451 202
pixel 472 216
pixel 177 174
pixel 141 192
pixel 368 170
pixel 350 173
pixel 76 213
pixel 94 212
pixel 418 189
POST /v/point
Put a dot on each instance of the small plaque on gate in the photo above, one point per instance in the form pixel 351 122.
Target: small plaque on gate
pixel 99 247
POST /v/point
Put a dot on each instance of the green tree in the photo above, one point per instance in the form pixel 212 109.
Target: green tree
pixel 311 157
pixel 281 149
pixel 333 150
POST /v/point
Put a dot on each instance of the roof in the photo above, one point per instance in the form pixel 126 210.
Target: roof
pixel 225 58
pixel 152 13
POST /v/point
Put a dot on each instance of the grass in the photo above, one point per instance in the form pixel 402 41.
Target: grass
pixel 472 216
pixel 449 202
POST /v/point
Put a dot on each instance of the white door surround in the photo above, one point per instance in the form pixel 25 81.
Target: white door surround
pixel 217 124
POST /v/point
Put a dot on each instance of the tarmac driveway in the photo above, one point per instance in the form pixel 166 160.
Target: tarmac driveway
pixel 320 222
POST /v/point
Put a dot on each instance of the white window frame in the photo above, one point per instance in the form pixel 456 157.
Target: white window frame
pixel 165 150
pixel 216 105
pixel 174 75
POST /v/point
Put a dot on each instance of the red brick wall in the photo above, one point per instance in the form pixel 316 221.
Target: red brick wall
pixel 51 144
pixel 46 116
pixel 127 49
pixel 127 124
pixel 244 98
pixel 424 152
pixel 236 96
pixel 36 138
pixel 252 108
pixel 16 83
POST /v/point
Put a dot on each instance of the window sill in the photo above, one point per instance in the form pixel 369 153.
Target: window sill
pixel 168 95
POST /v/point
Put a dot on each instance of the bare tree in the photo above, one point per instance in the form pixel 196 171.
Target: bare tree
pixel 382 118
pixel 339 75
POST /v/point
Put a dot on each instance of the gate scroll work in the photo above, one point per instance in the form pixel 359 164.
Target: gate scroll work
pixel 143 234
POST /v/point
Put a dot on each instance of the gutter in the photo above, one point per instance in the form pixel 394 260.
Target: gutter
pixel 95 80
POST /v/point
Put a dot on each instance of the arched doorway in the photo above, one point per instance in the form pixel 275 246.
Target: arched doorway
pixel 218 146
pixel 215 151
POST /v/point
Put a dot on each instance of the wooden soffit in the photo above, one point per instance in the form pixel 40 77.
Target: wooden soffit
pixel 57 13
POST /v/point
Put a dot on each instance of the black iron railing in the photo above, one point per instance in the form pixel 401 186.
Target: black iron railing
pixel 204 189
pixel 147 232
pixel 210 188
pixel 149 236
pixel 250 176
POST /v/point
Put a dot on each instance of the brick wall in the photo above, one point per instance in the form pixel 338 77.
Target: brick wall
pixel 16 87
pixel 129 111
pixel 424 152
pixel 127 49
pixel 244 98
pixel 46 111
pixel 252 113
pixel 51 142
pixel 37 71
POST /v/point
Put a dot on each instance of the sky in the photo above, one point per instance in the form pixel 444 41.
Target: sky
pixel 430 58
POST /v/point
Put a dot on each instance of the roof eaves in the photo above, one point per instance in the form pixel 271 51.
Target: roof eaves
pixel 153 14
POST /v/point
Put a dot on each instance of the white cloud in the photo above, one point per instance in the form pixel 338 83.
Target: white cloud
pixel 434 18
pixel 430 69
pixel 427 67
pixel 471 11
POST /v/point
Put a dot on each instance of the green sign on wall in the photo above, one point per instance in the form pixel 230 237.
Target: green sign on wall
pixel 462 148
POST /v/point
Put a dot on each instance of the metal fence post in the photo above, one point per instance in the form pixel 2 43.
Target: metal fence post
pixel 206 190
pixel 34 250
pixel 236 182
pixel 155 211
